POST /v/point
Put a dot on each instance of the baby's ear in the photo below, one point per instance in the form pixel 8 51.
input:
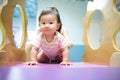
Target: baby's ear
pixel 58 26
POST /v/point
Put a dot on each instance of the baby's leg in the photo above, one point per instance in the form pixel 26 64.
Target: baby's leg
pixel 42 58
pixel 59 57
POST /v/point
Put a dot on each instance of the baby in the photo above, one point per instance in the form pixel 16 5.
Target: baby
pixel 51 45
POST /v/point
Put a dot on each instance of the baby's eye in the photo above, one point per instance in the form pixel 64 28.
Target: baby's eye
pixel 51 22
pixel 43 23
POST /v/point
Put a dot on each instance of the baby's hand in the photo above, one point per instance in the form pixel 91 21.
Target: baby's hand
pixel 65 63
pixel 32 63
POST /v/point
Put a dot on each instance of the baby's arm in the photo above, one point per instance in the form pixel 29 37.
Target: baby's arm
pixel 33 56
pixel 65 60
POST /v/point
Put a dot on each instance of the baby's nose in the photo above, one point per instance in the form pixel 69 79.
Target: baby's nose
pixel 47 25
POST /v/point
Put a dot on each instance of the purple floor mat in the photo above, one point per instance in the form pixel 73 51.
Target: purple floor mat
pixel 77 71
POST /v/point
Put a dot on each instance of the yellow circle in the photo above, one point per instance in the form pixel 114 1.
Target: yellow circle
pixel 23 27
pixel 2 44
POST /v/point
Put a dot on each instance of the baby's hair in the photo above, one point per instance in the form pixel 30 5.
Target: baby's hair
pixel 52 10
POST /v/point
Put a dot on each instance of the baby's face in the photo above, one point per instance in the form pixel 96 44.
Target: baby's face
pixel 49 24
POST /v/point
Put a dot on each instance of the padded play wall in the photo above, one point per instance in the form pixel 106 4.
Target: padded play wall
pixel 101 25
pixel 9 54
pixel 110 24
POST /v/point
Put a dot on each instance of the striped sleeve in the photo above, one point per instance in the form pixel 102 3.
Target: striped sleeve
pixel 37 41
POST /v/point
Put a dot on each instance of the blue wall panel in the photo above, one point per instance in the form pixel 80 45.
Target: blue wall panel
pixel 76 53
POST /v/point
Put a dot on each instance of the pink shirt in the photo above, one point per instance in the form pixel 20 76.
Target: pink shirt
pixel 50 49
